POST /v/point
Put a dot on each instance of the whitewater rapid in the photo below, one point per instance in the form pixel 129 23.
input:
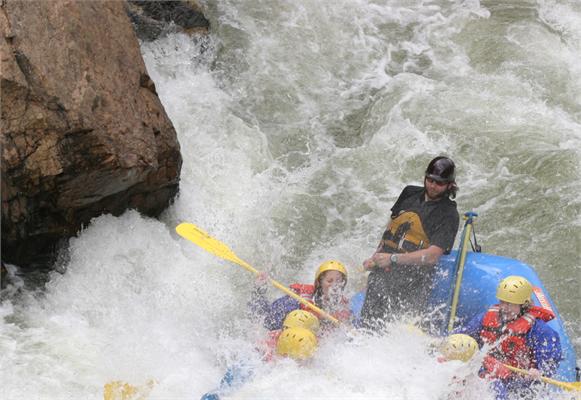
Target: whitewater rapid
pixel 299 124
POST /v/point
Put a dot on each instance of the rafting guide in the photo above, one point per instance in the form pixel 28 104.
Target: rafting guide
pixel 423 224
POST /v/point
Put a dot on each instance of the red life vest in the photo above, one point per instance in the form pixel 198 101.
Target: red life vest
pixel 305 291
pixel 268 346
pixel 308 291
pixel 510 339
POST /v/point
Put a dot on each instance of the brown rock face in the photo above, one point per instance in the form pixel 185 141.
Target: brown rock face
pixel 83 131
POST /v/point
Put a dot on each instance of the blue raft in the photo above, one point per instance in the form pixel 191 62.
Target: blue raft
pixel 482 273
pixel 480 276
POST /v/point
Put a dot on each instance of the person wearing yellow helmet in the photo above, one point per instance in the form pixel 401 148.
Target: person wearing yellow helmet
pixel 330 281
pixel 295 319
pixel 292 328
pixel 516 333
pixel 459 347
pixel 297 343
pixel 297 340
pixel 301 319
pixel 326 292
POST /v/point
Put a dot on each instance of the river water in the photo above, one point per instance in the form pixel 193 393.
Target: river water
pixel 299 124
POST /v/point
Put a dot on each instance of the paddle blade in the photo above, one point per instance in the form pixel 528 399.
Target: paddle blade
pixel 199 237
pixel 119 390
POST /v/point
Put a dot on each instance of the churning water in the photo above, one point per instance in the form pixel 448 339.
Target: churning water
pixel 299 124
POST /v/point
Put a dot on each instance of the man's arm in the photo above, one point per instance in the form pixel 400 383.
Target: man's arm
pixel 424 257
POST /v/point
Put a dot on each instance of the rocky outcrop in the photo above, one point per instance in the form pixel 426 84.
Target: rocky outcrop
pixel 83 131
pixel 151 19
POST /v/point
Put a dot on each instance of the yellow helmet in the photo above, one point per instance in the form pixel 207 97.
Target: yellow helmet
pixel 301 319
pixel 297 343
pixel 331 265
pixel 459 347
pixel 515 290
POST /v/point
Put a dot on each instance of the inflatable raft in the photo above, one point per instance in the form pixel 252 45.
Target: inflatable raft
pixel 476 275
pixel 478 279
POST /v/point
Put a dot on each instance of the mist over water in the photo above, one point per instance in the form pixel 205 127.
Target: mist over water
pixel 299 124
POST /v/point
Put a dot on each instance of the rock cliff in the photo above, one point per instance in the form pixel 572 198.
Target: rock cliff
pixel 83 130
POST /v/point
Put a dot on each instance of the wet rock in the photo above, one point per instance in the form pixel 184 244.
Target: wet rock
pixel 3 276
pixel 151 19
pixel 83 131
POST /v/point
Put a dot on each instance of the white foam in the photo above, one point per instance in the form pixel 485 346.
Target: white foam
pixel 299 123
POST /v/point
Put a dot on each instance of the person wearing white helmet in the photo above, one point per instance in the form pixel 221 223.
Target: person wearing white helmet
pixel 515 333
pixel 422 226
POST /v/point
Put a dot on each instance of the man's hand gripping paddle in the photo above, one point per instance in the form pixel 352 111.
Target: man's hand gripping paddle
pixel 197 236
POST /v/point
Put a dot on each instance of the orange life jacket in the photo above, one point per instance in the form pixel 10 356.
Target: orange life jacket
pixel 510 339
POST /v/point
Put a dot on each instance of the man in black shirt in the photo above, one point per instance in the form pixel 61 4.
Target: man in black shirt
pixel 423 225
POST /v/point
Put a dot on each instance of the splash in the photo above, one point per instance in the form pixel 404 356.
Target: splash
pixel 299 124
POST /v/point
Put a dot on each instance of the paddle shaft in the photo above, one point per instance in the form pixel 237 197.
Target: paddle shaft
pixel 460 267
pixel 201 238
pixel 565 385
pixel 287 291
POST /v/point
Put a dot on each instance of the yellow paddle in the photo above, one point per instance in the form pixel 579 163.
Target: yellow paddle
pixel 118 390
pixel 571 386
pixel 197 236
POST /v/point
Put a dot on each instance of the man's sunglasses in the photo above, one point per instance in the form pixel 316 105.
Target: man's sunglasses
pixel 433 181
